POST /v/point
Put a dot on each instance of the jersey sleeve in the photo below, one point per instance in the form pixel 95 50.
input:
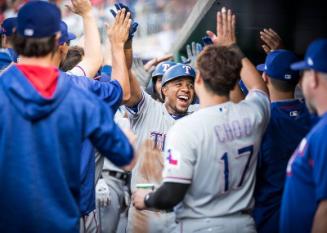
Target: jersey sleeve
pixel 106 136
pixel 318 161
pixel 258 103
pixel 78 71
pixel 179 156
pixel 110 92
pixel 142 107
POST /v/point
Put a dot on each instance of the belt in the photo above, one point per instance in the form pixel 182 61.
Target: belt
pixel 124 176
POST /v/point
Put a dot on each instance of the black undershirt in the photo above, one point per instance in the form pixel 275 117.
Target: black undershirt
pixel 167 196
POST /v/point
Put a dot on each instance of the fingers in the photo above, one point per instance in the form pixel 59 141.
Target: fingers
pixel 211 35
pixel 266 48
pixel 165 58
pixel 268 39
pixel 188 51
pixel 121 16
pixel 224 21
pixel 194 49
pixel 219 24
pixel 233 27
pixel 184 59
pixel 228 22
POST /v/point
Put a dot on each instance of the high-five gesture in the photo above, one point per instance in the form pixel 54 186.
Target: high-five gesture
pixel 225 28
pixel 80 7
pixel 271 39
pixel 118 32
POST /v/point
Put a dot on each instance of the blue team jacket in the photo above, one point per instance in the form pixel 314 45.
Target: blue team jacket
pixel 40 147
pixel 112 95
pixel 290 121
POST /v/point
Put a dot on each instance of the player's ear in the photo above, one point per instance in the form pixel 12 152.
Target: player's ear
pixel 164 91
pixel 265 77
pixel 198 78
pixel 314 79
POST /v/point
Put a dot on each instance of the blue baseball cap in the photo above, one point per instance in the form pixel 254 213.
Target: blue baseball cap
pixel 8 26
pixel 315 57
pixel 65 35
pixel 162 67
pixel 38 19
pixel 277 65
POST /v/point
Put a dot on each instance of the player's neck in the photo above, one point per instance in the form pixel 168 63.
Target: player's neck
pixel 278 96
pixel 320 102
pixel 208 100
pixel 56 59
pixel 36 61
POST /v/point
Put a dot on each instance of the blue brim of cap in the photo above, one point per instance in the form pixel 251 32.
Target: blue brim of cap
pixel 71 36
pixel 261 67
pixel 302 65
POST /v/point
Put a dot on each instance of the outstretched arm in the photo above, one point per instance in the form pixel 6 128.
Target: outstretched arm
pixel 136 91
pixel 118 35
pixel 226 37
pixel 92 60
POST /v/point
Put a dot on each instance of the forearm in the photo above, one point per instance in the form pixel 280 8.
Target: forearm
pixel 251 77
pixel 167 196
pixel 129 54
pixel 136 91
pixel 236 94
pixel 92 46
pixel 319 222
pixel 120 71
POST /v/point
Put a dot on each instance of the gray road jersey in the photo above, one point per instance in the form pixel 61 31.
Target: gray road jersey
pixel 150 121
pixel 215 151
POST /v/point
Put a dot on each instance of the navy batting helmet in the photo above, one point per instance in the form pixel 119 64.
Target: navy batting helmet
pixel 177 71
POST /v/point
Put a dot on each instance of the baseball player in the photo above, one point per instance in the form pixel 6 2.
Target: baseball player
pixel 44 120
pixel 116 180
pixel 290 122
pixel 210 167
pixel 304 203
pixel 7 54
pixel 91 166
pixel 151 119
pixel 157 74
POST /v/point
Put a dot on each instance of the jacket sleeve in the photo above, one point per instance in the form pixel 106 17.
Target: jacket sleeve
pixel 106 136
pixel 110 92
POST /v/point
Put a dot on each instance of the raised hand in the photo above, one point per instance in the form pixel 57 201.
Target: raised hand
pixel 155 61
pixel 225 35
pixel 271 39
pixel 118 33
pixel 134 24
pixel 192 51
pixel 80 7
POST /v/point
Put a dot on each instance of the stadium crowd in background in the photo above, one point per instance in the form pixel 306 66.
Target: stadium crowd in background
pixel 95 139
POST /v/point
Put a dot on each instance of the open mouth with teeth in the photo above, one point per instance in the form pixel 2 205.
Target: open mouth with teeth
pixel 183 98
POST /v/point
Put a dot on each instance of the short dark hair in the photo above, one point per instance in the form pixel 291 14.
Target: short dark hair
pixel 74 56
pixel 284 86
pixel 220 68
pixel 34 47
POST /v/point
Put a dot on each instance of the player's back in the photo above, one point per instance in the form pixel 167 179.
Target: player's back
pixel 215 150
pixel 41 141
pixel 290 122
